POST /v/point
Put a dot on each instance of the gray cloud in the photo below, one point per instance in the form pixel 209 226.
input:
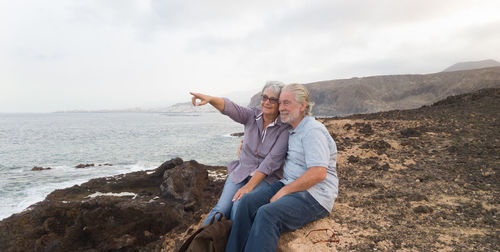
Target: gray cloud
pixel 96 54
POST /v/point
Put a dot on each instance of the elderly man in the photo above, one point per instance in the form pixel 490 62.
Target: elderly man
pixel 307 191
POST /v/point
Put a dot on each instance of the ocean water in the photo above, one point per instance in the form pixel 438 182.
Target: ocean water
pixel 128 141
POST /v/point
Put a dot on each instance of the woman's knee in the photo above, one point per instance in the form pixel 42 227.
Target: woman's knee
pixel 223 206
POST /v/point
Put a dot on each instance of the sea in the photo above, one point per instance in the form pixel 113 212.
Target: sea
pixel 129 142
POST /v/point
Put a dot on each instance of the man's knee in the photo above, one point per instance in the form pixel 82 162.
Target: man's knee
pixel 266 214
pixel 248 199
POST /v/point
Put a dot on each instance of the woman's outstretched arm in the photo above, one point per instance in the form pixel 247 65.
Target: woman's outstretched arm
pixel 217 102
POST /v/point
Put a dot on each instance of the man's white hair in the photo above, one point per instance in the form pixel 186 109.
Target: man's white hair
pixel 301 95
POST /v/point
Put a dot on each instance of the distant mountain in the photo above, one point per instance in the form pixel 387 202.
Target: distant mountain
pixel 472 65
pixel 383 93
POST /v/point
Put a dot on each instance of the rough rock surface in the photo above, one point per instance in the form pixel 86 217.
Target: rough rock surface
pixel 39 168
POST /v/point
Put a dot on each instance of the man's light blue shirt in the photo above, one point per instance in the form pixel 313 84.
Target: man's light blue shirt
pixel 311 145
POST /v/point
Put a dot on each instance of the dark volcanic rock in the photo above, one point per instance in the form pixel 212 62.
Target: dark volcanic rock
pixel 379 145
pixel 410 132
pixel 166 166
pixel 239 134
pixel 84 165
pixel 423 209
pixel 364 128
pixel 38 168
pixel 353 159
pixel 185 183
pixel 120 213
pixel 106 164
pixel 384 167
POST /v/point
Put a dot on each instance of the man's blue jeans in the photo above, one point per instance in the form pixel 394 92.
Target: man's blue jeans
pixel 225 204
pixel 258 224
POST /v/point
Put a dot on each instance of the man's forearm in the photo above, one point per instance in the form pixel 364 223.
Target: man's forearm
pixel 310 178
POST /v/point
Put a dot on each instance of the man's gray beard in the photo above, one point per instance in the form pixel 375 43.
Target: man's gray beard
pixel 291 117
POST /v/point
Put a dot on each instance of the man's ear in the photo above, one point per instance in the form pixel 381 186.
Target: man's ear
pixel 302 107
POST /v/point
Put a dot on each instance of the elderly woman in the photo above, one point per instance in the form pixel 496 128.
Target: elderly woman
pixel 263 151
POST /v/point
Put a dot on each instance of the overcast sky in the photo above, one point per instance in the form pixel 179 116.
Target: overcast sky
pixel 111 54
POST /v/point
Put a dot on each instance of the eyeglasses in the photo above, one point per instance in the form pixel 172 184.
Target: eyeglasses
pixel 272 100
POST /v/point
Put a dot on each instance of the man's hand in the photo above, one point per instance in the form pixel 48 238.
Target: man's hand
pixel 308 179
pixel 282 192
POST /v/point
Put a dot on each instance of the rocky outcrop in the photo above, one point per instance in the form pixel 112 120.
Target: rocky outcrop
pixel 92 165
pixel 39 168
pixel 128 212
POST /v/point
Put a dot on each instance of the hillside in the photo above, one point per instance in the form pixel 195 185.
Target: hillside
pixel 383 93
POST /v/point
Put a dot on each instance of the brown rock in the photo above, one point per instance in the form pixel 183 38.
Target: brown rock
pixel 84 165
pixel 38 168
pixel 185 182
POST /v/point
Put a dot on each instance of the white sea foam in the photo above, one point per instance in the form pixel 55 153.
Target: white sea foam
pixel 216 175
pixel 153 199
pixel 121 194
pixel 229 135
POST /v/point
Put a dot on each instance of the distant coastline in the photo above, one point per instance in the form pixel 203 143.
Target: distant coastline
pixel 185 107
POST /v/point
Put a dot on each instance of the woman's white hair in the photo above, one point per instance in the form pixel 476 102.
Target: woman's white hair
pixel 301 95
pixel 273 86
